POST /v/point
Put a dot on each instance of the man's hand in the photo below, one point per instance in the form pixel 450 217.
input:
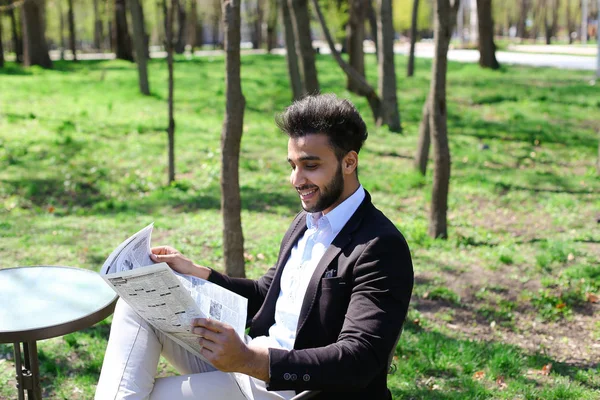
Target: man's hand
pixel 178 262
pixel 222 346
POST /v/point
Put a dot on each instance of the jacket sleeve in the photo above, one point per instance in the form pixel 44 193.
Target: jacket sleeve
pixel 380 294
pixel 254 290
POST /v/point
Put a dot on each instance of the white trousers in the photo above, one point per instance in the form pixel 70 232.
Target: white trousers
pixel 132 357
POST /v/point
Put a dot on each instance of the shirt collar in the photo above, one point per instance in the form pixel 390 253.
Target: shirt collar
pixel 337 217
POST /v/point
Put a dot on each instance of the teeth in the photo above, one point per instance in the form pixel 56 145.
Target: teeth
pixel 307 193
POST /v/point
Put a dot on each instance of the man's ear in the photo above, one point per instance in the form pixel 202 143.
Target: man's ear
pixel 350 162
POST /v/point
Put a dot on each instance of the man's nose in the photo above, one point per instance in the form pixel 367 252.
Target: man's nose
pixel 297 177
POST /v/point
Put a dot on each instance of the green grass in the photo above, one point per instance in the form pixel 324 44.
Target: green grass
pixel 83 165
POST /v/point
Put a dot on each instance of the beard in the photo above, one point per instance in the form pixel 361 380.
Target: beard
pixel 330 193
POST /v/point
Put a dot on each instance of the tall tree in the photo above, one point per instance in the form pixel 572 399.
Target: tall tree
pixel 231 137
pixel 487 47
pixel 522 24
pixel 373 25
pixel 584 21
pixel 273 12
pixel 413 38
pixel 387 71
pixel 181 24
pixel 192 26
pixel 17 40
pixel 139 42
pixel 355 39
pixel 97 26
pixel 216 22
pixel 363 87
pixel 72 41
pixel 551 18
pixel 436 113
pixel 291 54
pixel 61 28
pixel 171 127
pixel 257 21
pixel 306 53
pixel 35 49
pixel 598 59
pixel 1 45
pixel 570 20
pixel 121 38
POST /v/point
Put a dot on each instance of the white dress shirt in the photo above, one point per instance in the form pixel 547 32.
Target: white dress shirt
pixel 301 265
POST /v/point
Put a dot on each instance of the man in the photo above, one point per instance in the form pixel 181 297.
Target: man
pixel 326 317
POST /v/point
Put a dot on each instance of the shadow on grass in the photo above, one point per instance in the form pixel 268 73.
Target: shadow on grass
pixel 427 358
pixel 14 69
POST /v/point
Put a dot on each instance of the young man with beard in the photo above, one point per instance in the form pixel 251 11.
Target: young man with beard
pixel 326 317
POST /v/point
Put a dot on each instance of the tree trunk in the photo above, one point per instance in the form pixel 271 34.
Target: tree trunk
pixel 181 24
pixel 231 137
pixel 122 40
pixel 171 128
pixel 257 26
pixel 555 9
pixel 413 38
pixel 35 49
pixel 570 22
pixel 1 47
pixel 387 71
pixel 192 26
pixel 363 87
pixel 487 47
pixel 306 54
pixel 71 17
pixel 272 25
pixel 584 22
pixel 17 41
pixel 291 54
pixel 445 16
pixel 139 42
pixel 356 36
pixel 598 59
pixel 522 24
pixel 97 27
pixel 61 27
pixel 424 142
pixel 373 25
pixel 216 22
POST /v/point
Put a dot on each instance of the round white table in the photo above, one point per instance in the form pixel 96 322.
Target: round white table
pixel 42 302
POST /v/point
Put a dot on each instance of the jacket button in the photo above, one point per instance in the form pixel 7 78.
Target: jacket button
pixel 306 377
pixel 286 376
pixel 294 377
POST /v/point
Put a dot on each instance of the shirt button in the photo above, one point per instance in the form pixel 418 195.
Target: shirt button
pixel 294 377
pixel 286 376
pixel 306 378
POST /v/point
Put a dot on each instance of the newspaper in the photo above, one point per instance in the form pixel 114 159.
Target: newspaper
pixel 169 301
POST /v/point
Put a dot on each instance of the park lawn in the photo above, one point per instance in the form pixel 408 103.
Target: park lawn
pixel 83 165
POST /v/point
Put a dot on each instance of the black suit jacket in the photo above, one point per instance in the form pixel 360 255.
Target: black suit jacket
pixel 349 320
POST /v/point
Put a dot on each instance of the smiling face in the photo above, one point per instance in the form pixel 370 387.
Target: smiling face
pixel 321 180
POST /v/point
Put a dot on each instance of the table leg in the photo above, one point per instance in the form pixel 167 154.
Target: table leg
pixel 20 388
pixel 34 390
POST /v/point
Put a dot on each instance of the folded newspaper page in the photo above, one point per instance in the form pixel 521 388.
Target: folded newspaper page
pixel 169 301
pixel 132 253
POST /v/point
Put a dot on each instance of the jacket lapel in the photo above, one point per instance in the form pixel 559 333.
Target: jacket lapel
pixel 341 240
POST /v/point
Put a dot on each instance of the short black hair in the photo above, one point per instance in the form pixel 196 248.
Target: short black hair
pixel 326 114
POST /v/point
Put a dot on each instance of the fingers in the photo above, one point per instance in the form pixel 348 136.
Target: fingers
pixel 210 324
pixel 163 250
pixel 204 333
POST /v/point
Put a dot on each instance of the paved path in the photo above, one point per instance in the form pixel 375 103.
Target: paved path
pixel 425 50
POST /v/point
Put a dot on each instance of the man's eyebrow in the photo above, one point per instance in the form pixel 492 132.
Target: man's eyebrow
pixel 306 158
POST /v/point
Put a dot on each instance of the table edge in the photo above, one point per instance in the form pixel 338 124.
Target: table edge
pixel 74 325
